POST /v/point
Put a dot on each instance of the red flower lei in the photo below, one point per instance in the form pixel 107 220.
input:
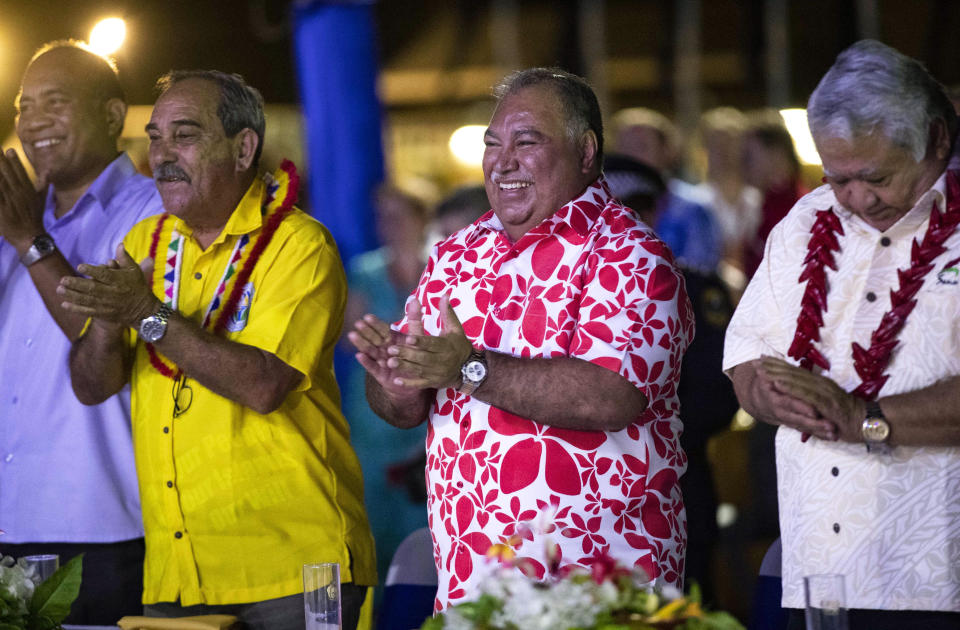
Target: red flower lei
pixel 871 362
pixel 266 235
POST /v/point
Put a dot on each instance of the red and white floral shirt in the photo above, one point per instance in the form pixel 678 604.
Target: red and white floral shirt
pixel 591 282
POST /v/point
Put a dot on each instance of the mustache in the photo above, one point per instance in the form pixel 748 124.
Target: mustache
pixel 169 170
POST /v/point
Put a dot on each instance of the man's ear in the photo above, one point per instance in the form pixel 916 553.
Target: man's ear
pixel 939 139
pixel 245 145
pixel 116 112
pixel 588 152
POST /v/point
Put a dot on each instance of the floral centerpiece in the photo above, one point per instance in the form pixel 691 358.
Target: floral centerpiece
pixel 28 604
pixel 605 596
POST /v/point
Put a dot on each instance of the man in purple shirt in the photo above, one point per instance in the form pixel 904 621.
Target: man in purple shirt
pixel 67 478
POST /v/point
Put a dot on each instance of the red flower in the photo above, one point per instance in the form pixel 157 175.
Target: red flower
pixel 549 446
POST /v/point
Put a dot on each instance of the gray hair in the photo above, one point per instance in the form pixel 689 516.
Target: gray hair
pixel 241 105
pixel 580 106
pixel 872 87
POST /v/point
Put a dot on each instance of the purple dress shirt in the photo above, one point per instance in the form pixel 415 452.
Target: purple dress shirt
pixel 66 470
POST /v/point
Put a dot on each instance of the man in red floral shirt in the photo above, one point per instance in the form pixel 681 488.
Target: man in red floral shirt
pixel 543 345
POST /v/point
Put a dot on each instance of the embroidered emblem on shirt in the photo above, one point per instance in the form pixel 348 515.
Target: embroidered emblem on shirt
pixel 950 274
pixel 239 319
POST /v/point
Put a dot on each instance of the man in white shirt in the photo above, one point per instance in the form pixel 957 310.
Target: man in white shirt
pixel 846 338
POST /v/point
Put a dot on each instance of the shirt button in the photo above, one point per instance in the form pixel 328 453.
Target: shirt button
pixel 198 275
pixel 28 342
pixel 885 241
pixel 178 535
pixel 871 296
pixel 15 399
pixel 8 458
pixel 169 484
pixel 166 429
pixel 496 311
pixel 835 471
pixel 836 528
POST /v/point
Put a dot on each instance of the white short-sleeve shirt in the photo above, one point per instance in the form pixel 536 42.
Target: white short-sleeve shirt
pixel 890 523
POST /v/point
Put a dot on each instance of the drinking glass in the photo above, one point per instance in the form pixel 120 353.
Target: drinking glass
pixel 321 596
pixel 826 602
pixel 42 566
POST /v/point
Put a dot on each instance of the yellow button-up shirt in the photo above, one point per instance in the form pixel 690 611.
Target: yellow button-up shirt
pixel 235 502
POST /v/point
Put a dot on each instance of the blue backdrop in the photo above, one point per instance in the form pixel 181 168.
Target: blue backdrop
pixel 335 48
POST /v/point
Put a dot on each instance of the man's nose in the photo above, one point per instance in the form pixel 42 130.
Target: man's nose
pixel 506 160
pixel 858 196
pixel 160 153
pixel 33 119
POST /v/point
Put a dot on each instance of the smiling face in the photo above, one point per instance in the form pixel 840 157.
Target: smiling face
pixel 199 171
pixel 877 180
pixel 68 132
pixel 531 165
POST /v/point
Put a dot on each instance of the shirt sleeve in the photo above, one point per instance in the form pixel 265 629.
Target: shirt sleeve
pixel 635 317
pixel 753 327
pixel 297 303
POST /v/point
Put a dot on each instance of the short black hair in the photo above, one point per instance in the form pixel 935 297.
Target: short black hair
pixel 636 184
pixel 100 72
pixel 241 105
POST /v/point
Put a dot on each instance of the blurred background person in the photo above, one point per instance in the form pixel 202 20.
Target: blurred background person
pixel 770 164
pixel 379 282
pixel 458 210
pixel 734 204
pixel 707 401
pixel 682 219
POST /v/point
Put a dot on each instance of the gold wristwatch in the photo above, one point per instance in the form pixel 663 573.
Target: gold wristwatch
pixel 875 429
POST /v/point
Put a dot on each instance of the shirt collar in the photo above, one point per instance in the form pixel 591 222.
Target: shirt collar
pixel 108 183
pixel 578 214
pixel 245 218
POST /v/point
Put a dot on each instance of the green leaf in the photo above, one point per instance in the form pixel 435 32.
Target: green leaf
pixel 52 599
pixel 9 626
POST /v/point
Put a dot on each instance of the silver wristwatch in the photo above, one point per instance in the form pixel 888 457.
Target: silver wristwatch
pixel 875 429
pixel 473 373
pixel 153 328
pixel 41 247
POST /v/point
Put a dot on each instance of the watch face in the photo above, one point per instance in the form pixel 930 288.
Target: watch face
pixel 875 430
pixel 44 244
pixel 474 371
pixel 152 329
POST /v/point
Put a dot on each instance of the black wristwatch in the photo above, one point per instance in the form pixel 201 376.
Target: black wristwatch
pixel 41 247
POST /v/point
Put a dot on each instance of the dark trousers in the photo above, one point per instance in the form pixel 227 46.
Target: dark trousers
pixel 112 577
pixel 283 613
pixel 889 620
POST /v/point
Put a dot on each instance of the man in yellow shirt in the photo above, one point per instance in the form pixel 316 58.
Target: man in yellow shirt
pixel 226 333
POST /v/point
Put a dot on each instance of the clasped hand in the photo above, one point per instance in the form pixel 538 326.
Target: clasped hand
pixel 21 206
pixel 415 360
pixel 809 402
pixel 116 292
